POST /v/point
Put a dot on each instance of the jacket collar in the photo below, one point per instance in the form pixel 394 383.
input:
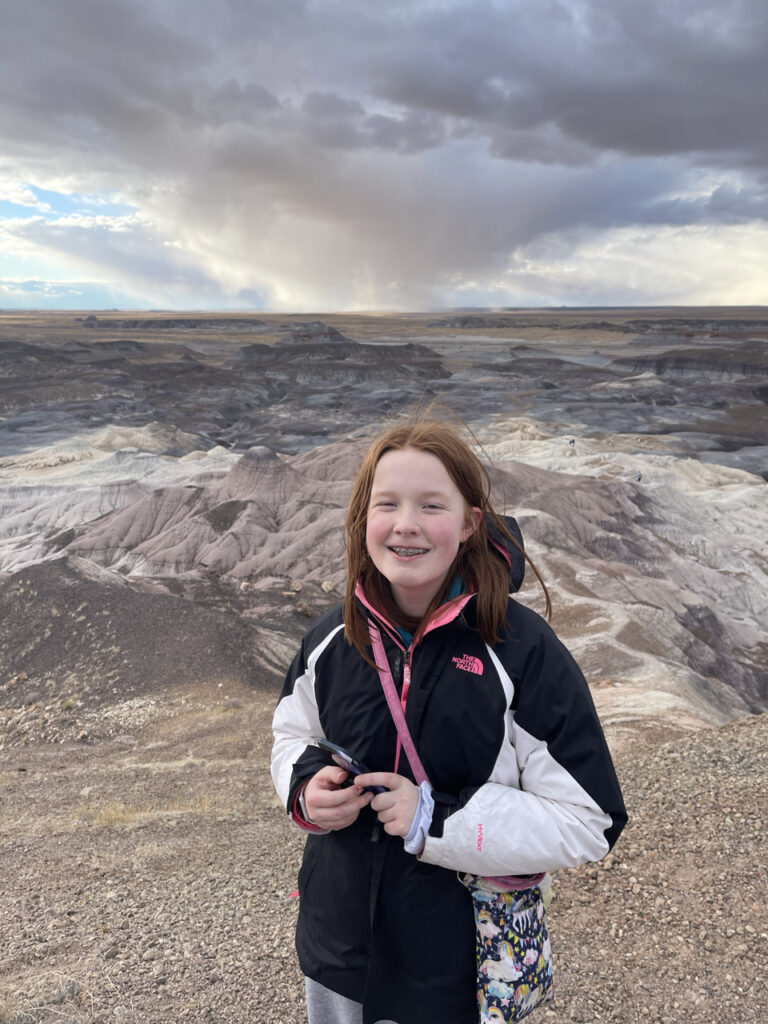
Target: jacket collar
pixel 446 613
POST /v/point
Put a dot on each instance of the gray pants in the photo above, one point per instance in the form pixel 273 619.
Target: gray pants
pixel 326 1007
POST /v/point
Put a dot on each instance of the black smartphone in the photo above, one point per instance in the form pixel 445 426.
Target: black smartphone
pixel 348 761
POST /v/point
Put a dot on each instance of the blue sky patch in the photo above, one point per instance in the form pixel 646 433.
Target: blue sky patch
pixel 62 204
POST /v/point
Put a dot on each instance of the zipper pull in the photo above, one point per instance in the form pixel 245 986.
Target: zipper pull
pixel 406 682
pixel 398 672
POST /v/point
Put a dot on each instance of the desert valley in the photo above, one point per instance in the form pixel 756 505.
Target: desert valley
pixel 172 489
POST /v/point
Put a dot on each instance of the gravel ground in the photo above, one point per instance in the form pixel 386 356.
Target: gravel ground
pixel 147 875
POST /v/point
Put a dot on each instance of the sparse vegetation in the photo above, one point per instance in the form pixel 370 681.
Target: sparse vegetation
pixel 8 1008
pixel 51 996
pixel 121 813
pixel 115 814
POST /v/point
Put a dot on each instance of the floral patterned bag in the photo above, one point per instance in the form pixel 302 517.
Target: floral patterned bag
pixel 514 959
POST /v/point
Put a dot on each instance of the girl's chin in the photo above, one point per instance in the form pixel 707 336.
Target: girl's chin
pixel 415 600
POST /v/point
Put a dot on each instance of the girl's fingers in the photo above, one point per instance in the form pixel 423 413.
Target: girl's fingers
pixel 336 797
pixel 328 804
pixel 387 779
pixel 330 777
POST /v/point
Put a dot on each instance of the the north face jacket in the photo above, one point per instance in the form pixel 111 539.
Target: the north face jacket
pixel 523 781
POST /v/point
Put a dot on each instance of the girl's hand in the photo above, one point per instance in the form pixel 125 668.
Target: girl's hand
pixel 330 806
pixel 396 808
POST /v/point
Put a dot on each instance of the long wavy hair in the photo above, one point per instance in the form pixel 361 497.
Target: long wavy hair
pixel 482 569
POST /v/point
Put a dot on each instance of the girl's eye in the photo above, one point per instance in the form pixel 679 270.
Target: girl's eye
pixel 432 506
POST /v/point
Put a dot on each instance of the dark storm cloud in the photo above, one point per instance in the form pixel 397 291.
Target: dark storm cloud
pixel 644 79
pixel 235 102
pixel 327 106
pixel 424 141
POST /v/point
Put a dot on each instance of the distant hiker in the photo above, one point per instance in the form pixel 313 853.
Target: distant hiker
pixel 638 477
pixel 497 770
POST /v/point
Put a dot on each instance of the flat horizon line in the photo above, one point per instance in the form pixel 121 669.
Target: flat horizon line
pixel 444 310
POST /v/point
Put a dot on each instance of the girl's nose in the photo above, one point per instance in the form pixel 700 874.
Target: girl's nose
pixel 406 521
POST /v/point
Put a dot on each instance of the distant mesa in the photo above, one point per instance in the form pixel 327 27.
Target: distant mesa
pixel 510 321
pixel 337 359
pixel 312 334
pixel 174 323
pixel 748 359
pixel 662 328
pixel 697 326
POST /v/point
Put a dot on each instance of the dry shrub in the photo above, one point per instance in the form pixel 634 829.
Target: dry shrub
pixel 9 1008
pixel 53 996
pixel 119 813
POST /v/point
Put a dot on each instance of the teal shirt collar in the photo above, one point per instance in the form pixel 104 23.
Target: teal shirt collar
pixel 456 590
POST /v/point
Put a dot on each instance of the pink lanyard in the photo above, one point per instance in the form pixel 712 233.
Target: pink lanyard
pixel 395 706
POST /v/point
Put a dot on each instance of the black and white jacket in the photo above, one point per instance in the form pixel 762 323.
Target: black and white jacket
pixel 523 779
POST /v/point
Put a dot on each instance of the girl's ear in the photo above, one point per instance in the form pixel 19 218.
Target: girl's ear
pixel 473 519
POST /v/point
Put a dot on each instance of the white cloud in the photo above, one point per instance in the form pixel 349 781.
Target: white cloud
pixel 22 195
pixel 665 266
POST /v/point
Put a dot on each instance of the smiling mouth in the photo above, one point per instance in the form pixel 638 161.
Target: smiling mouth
pixel 409 552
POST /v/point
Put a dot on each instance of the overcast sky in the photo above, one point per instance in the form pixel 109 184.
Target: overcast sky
pixel 345 154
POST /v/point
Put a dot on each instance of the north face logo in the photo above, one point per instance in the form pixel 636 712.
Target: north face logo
pixel 467 663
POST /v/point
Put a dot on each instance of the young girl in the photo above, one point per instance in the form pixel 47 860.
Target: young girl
pixel 501 718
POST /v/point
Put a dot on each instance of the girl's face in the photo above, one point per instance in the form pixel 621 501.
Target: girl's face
pixel 416 520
